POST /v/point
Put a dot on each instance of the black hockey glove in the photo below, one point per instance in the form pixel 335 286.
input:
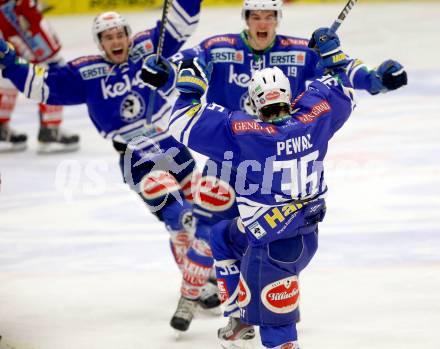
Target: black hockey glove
pixel 390 75
pixel 159 74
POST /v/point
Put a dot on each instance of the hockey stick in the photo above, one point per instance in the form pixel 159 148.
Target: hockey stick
pixel 166 6
pixel 345 11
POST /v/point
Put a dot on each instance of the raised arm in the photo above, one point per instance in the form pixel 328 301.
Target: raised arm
pixel 388 76
pixel 205 128
pixel 54 85
pixel 198 51
pixel 183 17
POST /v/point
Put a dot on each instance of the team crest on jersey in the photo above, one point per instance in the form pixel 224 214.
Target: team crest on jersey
pixel 132 107
pixel 94 71
pixel 258 64
pixel 215 194
pixel 227 55
pixel 141 50
pixel 282 296
pixel 244 294
pixel 287 58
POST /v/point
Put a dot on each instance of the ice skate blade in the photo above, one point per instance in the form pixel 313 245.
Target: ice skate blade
pixel 177 334
pixel 6 147
pixel 53 148
pixel 237 344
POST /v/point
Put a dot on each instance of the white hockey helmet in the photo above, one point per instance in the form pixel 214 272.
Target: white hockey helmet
pixel 263 5
pixel 269 86
pixel 108 20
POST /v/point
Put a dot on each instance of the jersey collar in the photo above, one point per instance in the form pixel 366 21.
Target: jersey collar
pixel 280 119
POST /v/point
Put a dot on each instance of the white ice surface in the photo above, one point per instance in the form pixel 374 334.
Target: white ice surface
pixel 84 265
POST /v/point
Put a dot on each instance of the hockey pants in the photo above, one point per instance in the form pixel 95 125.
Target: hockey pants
pixel 261 282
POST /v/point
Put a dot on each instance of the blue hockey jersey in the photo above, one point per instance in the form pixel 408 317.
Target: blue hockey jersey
pixel 115 95
pixel 279 166
pixel 234 61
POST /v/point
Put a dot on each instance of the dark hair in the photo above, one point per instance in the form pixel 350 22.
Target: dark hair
pixel 247 13
pixel 274 109
pixel 125 29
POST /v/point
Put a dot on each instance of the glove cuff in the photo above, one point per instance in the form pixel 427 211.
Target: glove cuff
pixel 189 83
pixel 335 60
pixel 188 79
pixel 332 52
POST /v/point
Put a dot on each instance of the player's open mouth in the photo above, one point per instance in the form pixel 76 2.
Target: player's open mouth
pixel 117 51
pixel 262 35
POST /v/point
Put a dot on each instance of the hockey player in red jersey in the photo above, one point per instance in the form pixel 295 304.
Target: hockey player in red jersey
pixel 23 25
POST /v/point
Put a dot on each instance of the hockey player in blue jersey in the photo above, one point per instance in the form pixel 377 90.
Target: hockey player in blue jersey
pixel 280 184
pixel 116 97
pixel 234 57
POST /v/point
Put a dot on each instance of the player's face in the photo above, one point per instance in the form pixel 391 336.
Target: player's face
pixel 262 28
pixel 115 44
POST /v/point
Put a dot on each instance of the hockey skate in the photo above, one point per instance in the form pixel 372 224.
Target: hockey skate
pixel 11 140
pixel 51 139
pixel 209 298
pixel 236 334
pixel 184 314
